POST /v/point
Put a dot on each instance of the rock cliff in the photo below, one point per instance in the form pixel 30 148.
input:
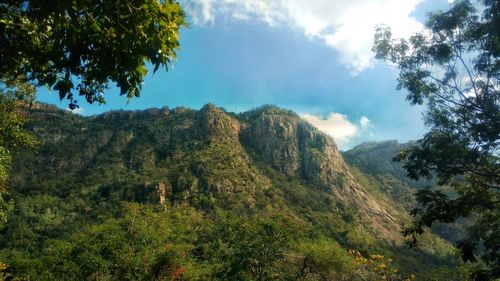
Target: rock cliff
pixel 296 148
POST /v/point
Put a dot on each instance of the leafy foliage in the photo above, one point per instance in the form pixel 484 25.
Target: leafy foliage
pixel 454 69
pixel 13 137
pixel 378 267
pixel 323 260
pixel 77 47
pixel 248 249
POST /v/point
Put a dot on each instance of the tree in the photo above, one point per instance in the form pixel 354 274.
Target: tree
pixel 12 133
pixel 323 260
pixel 243 248
pixel 79 46
pixel 453 67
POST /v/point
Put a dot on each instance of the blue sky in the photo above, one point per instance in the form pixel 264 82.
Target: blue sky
pixel 311 58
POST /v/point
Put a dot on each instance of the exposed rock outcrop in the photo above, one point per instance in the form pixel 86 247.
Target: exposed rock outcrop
pixel 296 148
pixel 215 124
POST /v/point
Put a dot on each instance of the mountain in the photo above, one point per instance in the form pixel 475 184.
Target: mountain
pixel 123 172
pixel 376 160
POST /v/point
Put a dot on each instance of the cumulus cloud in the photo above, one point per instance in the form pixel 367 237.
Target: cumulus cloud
pixel 338 126
pixel 345 26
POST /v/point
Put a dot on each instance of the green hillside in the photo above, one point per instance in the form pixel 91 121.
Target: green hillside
pixel 179 194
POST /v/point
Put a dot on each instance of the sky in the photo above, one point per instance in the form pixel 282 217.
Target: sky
pixel 310 56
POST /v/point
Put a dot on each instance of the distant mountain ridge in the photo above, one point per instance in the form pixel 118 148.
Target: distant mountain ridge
pixel 377 159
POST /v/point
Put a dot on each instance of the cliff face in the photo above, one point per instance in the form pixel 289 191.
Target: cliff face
pixel 197 155
pixel 298 149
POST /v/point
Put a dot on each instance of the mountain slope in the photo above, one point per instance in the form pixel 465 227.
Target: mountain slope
pixel 376 160
pixel 296 148
pixel 261 163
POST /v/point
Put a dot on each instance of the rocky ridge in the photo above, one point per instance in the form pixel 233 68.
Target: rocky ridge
pixel 209 152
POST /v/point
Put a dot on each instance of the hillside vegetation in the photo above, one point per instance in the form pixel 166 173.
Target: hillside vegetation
pixel 181 194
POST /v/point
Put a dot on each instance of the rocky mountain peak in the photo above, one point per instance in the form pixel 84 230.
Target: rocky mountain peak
pixel 215 124
pixel 298 149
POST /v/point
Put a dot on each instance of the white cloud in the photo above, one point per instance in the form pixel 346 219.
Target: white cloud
pixel 364 122
pixel 345 26
pixel 78 110
pixel 201 11
pixel 338 126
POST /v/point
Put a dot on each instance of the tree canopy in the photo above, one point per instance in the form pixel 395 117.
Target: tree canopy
pixel 77 47
pixel 453 68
